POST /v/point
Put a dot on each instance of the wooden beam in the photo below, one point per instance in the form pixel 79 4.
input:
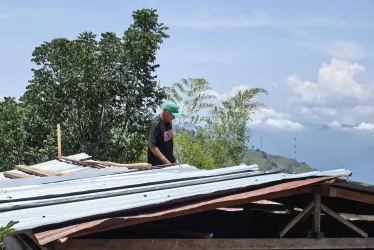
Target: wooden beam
pixel 298 217
pixel 82 163
pixel 59 153
pixel 360 217
pixel 342 220
pixel 317 215
pixel 102 164
pixel 189 244
pixel 40 172
pixel 345 194
pixel 121 165
pixel 13 175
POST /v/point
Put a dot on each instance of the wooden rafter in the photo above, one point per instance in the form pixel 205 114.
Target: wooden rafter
pixel 305 212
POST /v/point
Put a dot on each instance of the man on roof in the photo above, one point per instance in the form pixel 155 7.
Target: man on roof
pixel 160 136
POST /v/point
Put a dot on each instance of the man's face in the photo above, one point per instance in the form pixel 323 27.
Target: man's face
pixel 169 116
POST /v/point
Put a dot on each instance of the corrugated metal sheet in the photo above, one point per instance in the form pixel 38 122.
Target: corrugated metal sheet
pixel 139 193
pixel 288 188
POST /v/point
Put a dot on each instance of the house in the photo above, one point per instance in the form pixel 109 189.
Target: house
pixel 76 205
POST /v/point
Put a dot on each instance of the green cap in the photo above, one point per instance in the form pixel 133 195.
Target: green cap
pixel 172 108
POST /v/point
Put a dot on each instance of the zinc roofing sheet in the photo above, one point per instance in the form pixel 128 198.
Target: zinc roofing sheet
pixel 129 191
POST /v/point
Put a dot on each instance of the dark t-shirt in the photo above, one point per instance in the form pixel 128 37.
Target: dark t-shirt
pixel 160 134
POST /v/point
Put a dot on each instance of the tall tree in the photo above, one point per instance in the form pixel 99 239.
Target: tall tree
pixel 213 132
pixel 12 133
pixel 101 91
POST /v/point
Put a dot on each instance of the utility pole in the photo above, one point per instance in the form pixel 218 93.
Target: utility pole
pixel 261 143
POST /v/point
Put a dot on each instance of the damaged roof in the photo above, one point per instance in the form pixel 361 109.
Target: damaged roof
pixel 39 204
pixel 97 199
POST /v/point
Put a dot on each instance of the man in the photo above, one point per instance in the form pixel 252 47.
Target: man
pixel 160 136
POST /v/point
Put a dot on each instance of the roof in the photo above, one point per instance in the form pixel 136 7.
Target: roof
pixel 84 199
pixel 93 226
pixel 35 205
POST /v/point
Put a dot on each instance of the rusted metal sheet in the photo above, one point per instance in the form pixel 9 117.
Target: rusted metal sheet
pixel 276 191
pixel 189 244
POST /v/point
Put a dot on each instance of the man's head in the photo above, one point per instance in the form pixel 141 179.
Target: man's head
pixel 170 111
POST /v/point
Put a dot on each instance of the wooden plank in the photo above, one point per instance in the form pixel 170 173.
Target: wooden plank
pixel 40 172
pixel 103 164
pixel 297 218
pixel 189 244
pixel 13 175
pixel 59 153
pixel 342 220
pixel 81 163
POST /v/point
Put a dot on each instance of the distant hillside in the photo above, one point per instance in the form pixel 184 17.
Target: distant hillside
pixel 273 162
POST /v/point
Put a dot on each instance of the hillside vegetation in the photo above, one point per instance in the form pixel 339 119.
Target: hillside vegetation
pixel 273 162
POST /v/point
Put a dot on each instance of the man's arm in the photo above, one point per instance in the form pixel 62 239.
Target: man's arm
pixel 152 144
pixel 158 154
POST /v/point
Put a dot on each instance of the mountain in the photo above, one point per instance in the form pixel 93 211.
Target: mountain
pixel 275 162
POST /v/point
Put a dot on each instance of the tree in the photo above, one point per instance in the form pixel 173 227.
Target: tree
pixel 102 92
pixel 12 133
pixel 193 97
pixel 212 133
pixel 227 125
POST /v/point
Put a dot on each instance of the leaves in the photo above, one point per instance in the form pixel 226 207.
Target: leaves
pixel 212 133
pixel 5 230
pixel 100 88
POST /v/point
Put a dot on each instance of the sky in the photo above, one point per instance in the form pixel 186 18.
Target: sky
pixel 316 59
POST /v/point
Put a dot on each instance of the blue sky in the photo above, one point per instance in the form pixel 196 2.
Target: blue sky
pixel 314 57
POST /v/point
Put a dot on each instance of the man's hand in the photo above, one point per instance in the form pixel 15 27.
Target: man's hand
pixel 159 155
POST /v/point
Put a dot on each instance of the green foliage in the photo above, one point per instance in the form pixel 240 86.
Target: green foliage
pixel 212 133
pixel 102 90
pixel 4 231
pixel 192 96
pixel 12 133
pixel 191 150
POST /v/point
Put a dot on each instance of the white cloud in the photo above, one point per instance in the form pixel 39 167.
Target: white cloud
pixel 284 124
pixel 365 126
pixel 336 81
pixel 224 96
pixel 256 19
pixel 263 114
pixel 346 50
pixel 334 124
pixel 271 118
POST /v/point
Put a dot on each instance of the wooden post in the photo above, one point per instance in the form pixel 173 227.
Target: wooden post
pixel 59 140
pixel 316 233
